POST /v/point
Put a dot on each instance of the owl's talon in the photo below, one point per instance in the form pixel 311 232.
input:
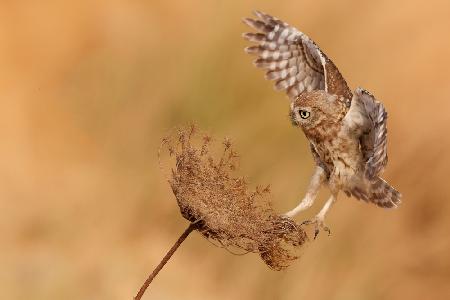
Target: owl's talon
pixel 318 225
pixel 306 222
pixel 316 233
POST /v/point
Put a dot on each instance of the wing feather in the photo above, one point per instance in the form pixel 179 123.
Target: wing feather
pixel 368 118
pixel 292 59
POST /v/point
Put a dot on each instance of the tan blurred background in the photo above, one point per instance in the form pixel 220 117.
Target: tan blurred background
pixel 88 88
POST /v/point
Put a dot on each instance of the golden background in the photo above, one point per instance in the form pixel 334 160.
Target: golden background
pixel 88 88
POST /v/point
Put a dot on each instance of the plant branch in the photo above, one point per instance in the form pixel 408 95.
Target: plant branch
pixel 166 258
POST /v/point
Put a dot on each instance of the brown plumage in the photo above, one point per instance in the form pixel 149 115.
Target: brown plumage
pixel 347 131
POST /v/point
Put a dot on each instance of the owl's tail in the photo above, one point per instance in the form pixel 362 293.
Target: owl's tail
pixel 379 192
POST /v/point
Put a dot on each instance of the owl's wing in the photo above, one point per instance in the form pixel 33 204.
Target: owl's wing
pixel 292 59
pixel 368 117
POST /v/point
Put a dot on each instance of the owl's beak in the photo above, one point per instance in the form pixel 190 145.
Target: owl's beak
pixel 292 115
pixel 293 119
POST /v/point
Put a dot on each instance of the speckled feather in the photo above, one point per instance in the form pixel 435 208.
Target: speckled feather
pixel 292 59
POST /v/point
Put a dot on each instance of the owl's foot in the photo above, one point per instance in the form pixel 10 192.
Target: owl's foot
pixel 318 225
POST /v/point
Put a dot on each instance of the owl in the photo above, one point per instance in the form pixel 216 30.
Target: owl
pixel 346 131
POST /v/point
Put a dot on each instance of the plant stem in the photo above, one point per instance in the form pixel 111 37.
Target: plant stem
pixel 166 258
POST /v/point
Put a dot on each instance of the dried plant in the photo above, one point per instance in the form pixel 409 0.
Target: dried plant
pixel 221 206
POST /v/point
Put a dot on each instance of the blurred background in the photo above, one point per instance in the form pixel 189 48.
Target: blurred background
pixel 89 88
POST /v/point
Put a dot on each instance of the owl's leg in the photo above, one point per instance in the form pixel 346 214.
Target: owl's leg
pixel 313 189
pixel 318 220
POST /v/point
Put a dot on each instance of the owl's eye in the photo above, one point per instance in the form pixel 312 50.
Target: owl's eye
pixel 304 114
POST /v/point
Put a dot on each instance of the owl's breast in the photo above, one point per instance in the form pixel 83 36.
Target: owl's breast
pixel 339 153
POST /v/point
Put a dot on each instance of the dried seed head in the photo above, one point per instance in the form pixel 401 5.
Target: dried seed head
pixel 228 213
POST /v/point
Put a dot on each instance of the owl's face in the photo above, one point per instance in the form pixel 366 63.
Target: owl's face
pixel 317 109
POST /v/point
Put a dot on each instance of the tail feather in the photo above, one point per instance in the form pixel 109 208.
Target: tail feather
pixel 378 192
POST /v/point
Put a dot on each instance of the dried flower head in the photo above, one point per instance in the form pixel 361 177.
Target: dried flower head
pixel 227 211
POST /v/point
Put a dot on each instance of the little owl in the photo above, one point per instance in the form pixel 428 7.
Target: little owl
pixel 347 132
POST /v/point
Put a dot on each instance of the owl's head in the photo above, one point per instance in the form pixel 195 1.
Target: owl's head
pixel 317 109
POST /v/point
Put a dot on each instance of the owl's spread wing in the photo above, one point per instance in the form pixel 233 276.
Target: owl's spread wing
pixel 292 59
pixel 368 116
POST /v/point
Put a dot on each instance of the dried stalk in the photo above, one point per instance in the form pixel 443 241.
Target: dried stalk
pixel 166 258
